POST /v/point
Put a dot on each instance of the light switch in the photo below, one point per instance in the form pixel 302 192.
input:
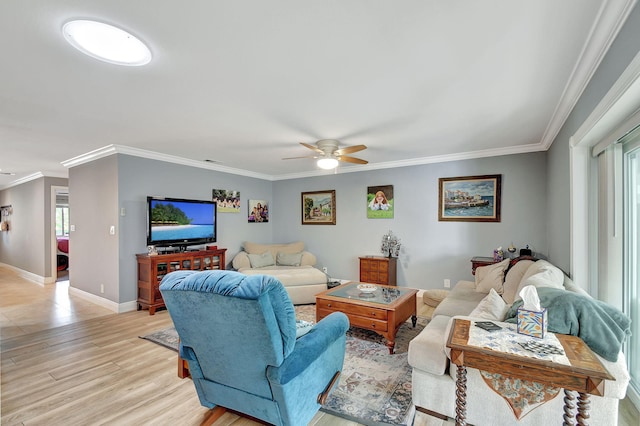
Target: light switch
pixel 112 230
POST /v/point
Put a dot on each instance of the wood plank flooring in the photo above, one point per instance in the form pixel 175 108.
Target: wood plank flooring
pixel 65 361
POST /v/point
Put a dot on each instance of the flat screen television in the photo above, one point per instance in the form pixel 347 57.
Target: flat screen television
pixel 181 223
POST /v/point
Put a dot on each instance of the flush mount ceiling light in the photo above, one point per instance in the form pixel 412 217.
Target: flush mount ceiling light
pixel 106 43
pixel 327 163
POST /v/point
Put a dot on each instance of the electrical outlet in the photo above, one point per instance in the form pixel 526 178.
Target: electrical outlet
pixel 102 288
pixel 447 283
pixel 325 270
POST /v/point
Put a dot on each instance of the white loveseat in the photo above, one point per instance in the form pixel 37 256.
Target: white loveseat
pixel 433 377
pixel 289 263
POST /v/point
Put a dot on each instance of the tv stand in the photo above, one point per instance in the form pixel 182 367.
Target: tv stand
pixel 152 268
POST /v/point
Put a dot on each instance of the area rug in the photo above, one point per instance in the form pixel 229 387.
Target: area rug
pixel 374 388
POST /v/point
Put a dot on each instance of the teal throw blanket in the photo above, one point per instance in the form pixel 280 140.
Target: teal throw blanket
pixel 601 326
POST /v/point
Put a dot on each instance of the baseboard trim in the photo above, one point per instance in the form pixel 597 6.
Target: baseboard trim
pixel 38 279
pixel 634 396
pixel 105 303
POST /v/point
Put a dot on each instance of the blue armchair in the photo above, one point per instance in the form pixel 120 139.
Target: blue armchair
pixel 238 334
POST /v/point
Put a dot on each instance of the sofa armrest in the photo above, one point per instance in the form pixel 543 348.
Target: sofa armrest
pixel 308 259
pixel 241 260
pixel 427 349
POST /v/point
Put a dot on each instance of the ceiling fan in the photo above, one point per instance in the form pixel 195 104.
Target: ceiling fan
pixel 329 153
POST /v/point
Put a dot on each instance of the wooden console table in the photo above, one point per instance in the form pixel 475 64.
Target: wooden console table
pixel 586 374
pixel 152 268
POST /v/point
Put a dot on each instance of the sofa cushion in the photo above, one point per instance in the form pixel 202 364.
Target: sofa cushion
pixel 427 349
pixel 492 307
pixel 513 278
pixel 288 259
pixel 491 276
pixel 541 274
pixel 261 260
pixel 255 248
pixel 461 300
pixel 291 276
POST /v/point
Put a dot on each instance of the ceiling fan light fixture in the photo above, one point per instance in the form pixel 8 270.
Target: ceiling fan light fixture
pixel 106 43
pixel 327 163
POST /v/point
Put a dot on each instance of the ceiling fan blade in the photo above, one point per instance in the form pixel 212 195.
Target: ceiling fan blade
pixel 295 158
pixel 351 159
pixel 311 147
pixel 350 149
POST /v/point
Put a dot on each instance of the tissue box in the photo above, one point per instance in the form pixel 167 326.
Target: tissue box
pixel 532 323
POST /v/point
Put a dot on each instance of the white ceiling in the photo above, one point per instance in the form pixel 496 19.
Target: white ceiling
pixel 242 82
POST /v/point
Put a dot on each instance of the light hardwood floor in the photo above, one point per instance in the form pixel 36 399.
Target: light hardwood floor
pixel 65 361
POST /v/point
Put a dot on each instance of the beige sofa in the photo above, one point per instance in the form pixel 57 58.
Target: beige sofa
pixel 289 263
pixel 433 377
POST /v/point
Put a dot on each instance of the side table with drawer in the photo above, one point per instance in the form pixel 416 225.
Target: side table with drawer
pixel 378 270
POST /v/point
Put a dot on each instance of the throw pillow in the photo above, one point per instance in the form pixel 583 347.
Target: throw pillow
pixel 513 279
pixel 303 327
pixel 261 260
pixel 288 259
pixel 491 276
pixel 492 307
pixel 541 274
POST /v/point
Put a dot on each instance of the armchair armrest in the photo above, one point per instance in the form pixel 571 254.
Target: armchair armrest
pixel 310 347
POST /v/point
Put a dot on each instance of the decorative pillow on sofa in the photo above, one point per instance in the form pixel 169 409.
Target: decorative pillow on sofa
pixel 513 279
pixel 289 259
pixel 491 276
pixel 541 274
pixel 261 260
pixel 491 307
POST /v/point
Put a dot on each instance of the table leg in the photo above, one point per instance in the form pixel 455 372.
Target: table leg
pixel 461 395
pixel 569 408
pixel 583 408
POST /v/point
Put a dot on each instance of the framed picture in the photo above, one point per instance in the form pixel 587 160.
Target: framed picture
pixel 258 211
pixel 319 208
pixel 469 199
pixel 227 201
pixel 380 202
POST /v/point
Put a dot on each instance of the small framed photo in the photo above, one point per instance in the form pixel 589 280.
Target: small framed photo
pixel 228 201
pixel 319 208
pixel 469 199
pixel 258 211
pixel 380 202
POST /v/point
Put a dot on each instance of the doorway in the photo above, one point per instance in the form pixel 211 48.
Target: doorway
pixel 60 260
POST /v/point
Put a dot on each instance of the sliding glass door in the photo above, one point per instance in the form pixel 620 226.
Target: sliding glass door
pixel 632 254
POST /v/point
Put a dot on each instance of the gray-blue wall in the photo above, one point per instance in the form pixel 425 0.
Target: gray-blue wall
pixel 625 47
pixel 431 250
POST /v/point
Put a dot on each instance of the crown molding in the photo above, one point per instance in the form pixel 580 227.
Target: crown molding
pixel 611 18
pixel 470 155
pixel 120 149
pixel 136 152
pixel 621 102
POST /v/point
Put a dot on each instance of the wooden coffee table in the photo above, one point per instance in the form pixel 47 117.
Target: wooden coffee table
pixel 585 374
pixel 382 311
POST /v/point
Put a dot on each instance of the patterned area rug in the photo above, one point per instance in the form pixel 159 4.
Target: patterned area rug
pixel 374 388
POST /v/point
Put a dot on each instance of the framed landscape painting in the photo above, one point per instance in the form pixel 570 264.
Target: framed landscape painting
pixel 380 202
pixel 319 208
pixel 469 199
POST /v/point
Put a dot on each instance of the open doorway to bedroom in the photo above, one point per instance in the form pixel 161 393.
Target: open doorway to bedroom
pixel 60 228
